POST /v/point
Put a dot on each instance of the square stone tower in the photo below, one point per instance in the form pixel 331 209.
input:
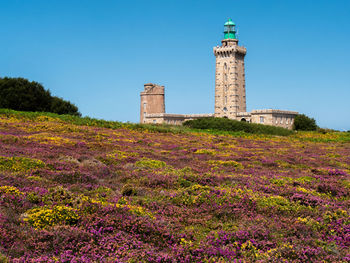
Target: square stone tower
pixel 230 95
pixel 152 100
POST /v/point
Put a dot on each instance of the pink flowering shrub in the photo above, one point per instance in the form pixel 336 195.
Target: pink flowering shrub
pixel 82 190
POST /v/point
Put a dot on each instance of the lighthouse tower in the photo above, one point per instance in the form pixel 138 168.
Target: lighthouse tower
pixel 230 95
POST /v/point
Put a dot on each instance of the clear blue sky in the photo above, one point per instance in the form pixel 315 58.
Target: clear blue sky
pixel 98 54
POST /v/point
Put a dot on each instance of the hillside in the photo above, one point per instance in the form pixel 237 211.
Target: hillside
pixel 83 190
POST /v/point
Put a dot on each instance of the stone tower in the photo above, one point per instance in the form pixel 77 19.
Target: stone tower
pixel 152 100
pixel 230 95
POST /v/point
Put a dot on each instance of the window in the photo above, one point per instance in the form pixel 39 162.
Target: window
pixel 144 106
pixel 225 66
pixel 225 100
pixel 261 119
pixel 154 121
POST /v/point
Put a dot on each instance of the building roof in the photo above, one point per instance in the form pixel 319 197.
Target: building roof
pixel 230 22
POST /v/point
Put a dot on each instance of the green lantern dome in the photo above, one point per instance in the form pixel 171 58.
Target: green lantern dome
pixel 230 31
pixel 230 23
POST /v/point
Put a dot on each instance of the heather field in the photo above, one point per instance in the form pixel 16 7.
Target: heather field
pixel 83 190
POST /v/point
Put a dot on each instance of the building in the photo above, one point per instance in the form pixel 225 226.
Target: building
pixel 230 97
pixel 152 101
pixel 230 91
pixel 153 108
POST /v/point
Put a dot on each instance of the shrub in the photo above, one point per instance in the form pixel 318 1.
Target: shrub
pixel 43 217
pixel 59 196
pixel 21 94
pixel 184 182
pixel 150 164
pixel 101 193
pixel 336 172
pixel 19 164
pixel 3 258
pixel 224 124
pixel 325 130
pixel 33 198
pixel 74 177
pixel 206 151
pixel 128 190
pixel 194 194
pixel 219 163
pixel 10 190
pixel 327 189
pixel 304 123
pixel 278 202
pixel 61 106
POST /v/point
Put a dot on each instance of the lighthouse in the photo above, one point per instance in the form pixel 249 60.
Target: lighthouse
pixel 230 94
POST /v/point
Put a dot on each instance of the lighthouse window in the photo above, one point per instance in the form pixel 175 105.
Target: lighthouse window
pixel 225 66
pixel 144 106
pixel 261 119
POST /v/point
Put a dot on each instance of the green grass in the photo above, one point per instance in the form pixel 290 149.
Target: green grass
pixel 87 121
pixel 224 124
pixel 213 126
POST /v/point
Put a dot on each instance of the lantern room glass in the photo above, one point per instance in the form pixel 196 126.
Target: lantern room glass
pixel 229 30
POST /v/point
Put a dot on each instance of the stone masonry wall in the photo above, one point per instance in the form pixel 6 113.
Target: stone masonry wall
pixel 152 100
pixel 230 95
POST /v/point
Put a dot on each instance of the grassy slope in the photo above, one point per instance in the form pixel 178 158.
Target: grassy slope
pixel 93 190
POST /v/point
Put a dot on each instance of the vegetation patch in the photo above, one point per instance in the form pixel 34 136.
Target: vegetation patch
pixel 21 94
pixel 150 164
pixel 224 124
pixel 169 193
pixel 10 190
pixel 218 163
pixel 19 164
pixel 43 217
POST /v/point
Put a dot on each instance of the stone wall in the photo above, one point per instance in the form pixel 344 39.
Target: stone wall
pixel 174 119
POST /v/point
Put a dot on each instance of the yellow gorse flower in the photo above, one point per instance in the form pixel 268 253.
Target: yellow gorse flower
pixel 19 164
pixel 10 190
pixel 43 217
